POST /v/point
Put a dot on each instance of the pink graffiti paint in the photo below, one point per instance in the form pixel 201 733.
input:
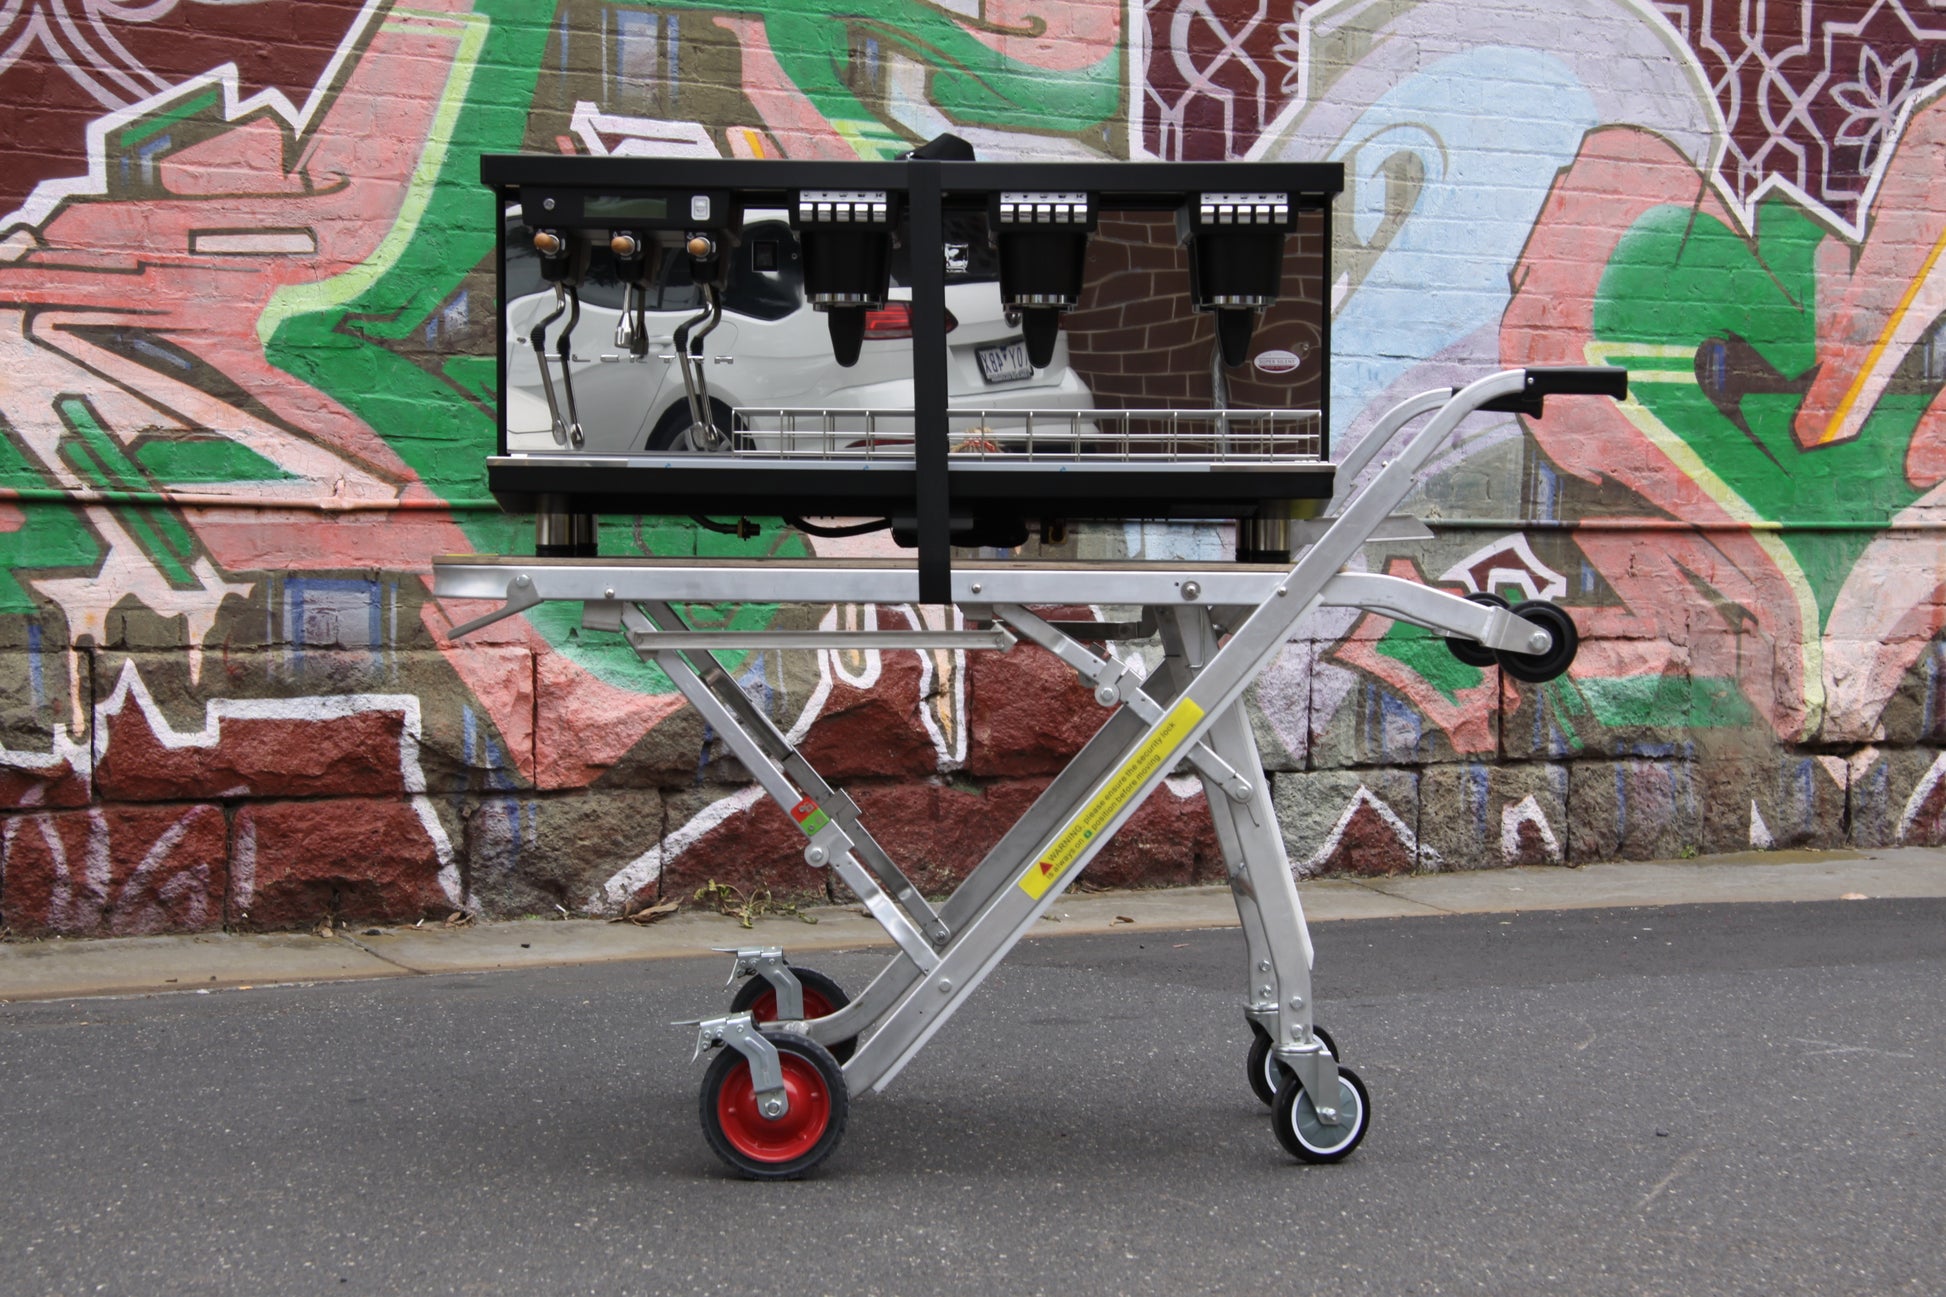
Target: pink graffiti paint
pixel 1620 174
pixel 1057 37
pixel 799 129
pixel 1466 719
pixel 1877 301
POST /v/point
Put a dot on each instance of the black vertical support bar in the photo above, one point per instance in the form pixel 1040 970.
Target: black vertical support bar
pixel 930 433
pixel 1324 333
pixel 500 315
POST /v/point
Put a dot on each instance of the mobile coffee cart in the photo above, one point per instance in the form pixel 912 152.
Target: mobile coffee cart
pixel 793 1046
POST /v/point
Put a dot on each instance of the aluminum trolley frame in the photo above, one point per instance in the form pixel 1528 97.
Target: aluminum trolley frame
pixel 1220 626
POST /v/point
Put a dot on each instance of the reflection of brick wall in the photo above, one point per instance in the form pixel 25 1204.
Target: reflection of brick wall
pixel 1137 340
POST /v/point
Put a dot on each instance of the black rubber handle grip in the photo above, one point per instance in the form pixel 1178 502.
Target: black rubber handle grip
pixel 1544 381
pixel 1578 380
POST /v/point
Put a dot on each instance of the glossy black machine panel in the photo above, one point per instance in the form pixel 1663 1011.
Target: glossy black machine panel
pixel 644 225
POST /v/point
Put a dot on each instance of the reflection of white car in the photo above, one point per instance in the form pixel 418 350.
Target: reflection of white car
pixel 770 352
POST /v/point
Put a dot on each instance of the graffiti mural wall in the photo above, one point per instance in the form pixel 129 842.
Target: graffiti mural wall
pixel 246 389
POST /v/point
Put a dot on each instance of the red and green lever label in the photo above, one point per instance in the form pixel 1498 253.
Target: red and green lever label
pixel 809 817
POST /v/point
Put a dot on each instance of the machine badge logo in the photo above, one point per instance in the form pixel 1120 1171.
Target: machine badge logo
pixel 1277 362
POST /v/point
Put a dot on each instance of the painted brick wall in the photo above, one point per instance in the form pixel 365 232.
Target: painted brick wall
pixel 247 307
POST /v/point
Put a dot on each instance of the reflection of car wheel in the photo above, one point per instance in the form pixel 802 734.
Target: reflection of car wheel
pixel 673 432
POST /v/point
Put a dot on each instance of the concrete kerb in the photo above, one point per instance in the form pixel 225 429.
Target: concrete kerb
pixel 55 969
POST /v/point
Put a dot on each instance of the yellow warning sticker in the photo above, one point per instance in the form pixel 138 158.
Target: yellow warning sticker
pixel 1159 748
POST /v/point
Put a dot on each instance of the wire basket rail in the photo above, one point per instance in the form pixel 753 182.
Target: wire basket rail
pixel 1052 435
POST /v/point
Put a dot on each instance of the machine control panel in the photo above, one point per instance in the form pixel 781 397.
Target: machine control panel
pixel 552 207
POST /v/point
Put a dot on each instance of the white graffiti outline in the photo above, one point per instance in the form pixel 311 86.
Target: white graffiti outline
pixel 1428 860
pixel 50 194
pixel 129 686
pixel 647 867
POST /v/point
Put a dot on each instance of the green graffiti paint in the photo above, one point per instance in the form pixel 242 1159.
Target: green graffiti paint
pixel 1426 653
pixel 967 80
pixel 45 538
pixel 195 460
pixel 1691 702
pixel 1565 704
pixel 91 452
pixel 477 376
pixel 1719 334
pixel 333 335
pixel 155 123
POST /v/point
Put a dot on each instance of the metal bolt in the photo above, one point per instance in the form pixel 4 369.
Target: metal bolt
pixel 547 204
pixel 1191 591
pixel 772 1108
pixel 1327 1113
pixel 1282 591
pixel 609 593
pixel 814 855
pixel 976 587
pixel 1539 642
pixel 521 579
pixel 1269 990
pixel 1107 695
pixel 1263 965
pixel 945 987
pixel 1297 1001
pixel 1239 791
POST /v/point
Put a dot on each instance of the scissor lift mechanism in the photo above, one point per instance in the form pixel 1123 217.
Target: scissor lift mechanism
pixel 794 1046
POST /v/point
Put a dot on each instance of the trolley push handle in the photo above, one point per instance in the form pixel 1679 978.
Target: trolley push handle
pixel 1544 381
pixel 1538 382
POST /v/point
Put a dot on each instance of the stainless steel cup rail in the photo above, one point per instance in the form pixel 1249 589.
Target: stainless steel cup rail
pixel 1172 436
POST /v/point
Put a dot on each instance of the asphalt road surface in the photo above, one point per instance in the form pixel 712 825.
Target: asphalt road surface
pixel 1704 1099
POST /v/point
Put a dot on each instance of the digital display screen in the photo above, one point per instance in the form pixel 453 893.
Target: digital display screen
pixel 625 207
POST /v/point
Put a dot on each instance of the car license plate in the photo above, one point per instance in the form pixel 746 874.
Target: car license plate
pixel 1005 363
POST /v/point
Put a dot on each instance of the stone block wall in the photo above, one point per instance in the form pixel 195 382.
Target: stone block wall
pixel 247 307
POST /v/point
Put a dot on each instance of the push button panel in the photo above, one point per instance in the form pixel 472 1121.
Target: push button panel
pixel 678 210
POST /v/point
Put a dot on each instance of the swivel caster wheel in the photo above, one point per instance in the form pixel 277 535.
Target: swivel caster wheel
pixel 1263 1070
pixel 757 1147
pixel 822 998
pixel 1304 1134
pixel 1539 668
pixel 1471 651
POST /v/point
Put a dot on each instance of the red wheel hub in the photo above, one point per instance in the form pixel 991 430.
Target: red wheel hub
pixel 790 1136
pixel 764 1007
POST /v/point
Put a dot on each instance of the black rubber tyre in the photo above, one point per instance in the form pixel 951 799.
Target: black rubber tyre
pixel 822 998
pixel 1471 651
pixel 1309 1140
pixel 759 1148
pixel 1265 1073
pixel 1539 668
pixel 672 432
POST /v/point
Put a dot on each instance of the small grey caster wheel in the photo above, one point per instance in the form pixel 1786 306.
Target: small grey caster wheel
pixel 1264 1072
pixel 1305 1136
